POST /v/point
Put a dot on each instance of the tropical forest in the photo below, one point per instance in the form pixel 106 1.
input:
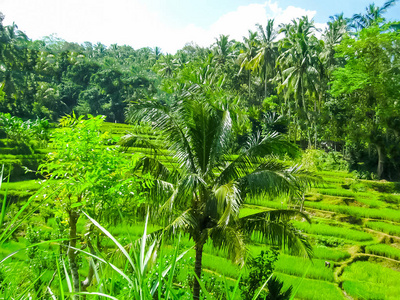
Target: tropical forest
pixel 260 168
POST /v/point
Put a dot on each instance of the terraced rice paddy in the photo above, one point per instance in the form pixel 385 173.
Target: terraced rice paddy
pixel 355 226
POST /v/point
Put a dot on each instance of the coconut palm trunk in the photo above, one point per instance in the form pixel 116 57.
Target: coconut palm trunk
pixel 197 269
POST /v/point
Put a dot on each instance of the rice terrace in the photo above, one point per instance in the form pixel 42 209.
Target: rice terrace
pixel 266 167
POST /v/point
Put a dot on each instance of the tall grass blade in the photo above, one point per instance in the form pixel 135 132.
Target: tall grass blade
pixel 69 284
pixel 3 207
pixel 51 293
pixel 96 294
pixel 106 262
pixel 29 288
pixel 261 288
pixel 60 280
pixel 120 247
pixel 300 282
pixel 173 265
pixel 203 287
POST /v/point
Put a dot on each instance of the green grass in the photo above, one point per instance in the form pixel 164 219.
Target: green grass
pixel 365 280
pixel 337 192
pixel 12 246
pixel 330 254
pixel 367 290
pixel 336 174
pixel 292 265
pixel 311 289
pixel 220 265
pixel 384 227
pixel 359 212
pixel 384 250
pixel 327 230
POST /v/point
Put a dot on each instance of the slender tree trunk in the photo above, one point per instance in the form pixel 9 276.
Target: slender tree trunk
pixel 290 124
pixel 316 134
pixel 249 83
pixel 265 83
pixel 88 281
pixel 73 219
pixel 381 161
pixel 197 270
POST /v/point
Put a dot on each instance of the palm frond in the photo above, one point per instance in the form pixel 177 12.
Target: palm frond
pixel 232 240
pixel 257 150
pixel 274 228
pixel 274 178
pixel 228 202
pixel 171 121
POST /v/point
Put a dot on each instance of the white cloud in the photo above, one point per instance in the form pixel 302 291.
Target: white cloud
pixel 131 22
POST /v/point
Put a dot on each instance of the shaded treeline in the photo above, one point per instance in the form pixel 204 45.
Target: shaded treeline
pixel 336 89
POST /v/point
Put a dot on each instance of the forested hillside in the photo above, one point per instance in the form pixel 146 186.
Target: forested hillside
pixel 337 89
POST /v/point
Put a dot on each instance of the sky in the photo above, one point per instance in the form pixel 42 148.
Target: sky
pixel 168 24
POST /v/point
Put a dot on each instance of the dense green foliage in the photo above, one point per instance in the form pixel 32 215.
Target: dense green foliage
pixel 213 129
pixel 338 91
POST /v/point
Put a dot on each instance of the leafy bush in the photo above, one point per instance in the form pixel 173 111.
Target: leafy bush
pixel 260 268
pixel 314 160
pixel 24 131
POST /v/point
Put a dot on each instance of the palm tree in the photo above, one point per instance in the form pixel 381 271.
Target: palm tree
pixel 333 35
pixel 373 14
pixel 167 65
pixel 298 63
pixel 247 54
pixel 223 49
pixel 264 61
pixel 205 191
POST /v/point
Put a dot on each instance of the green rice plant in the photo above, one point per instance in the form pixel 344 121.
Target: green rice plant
pixel 311 289
pixel 327 230
pixel 335 174
pixel 365 280
pixel 384 227
pixel 383 187
pixel 326 253
pixel 359 212
pixel 390 198
pixel 367 290
pixel 337 192
pixel 277 204
pixel 384 250
pixel 372 203
pixel 220 265
pixel 292 265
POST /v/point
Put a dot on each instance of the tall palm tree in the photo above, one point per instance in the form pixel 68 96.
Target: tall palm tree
pixel 373 14
pixel 264 61
pixel 248 52
pixel 298 62
pixel 333 35
pixel 203 195
pixel 167 65
pixel 223 49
